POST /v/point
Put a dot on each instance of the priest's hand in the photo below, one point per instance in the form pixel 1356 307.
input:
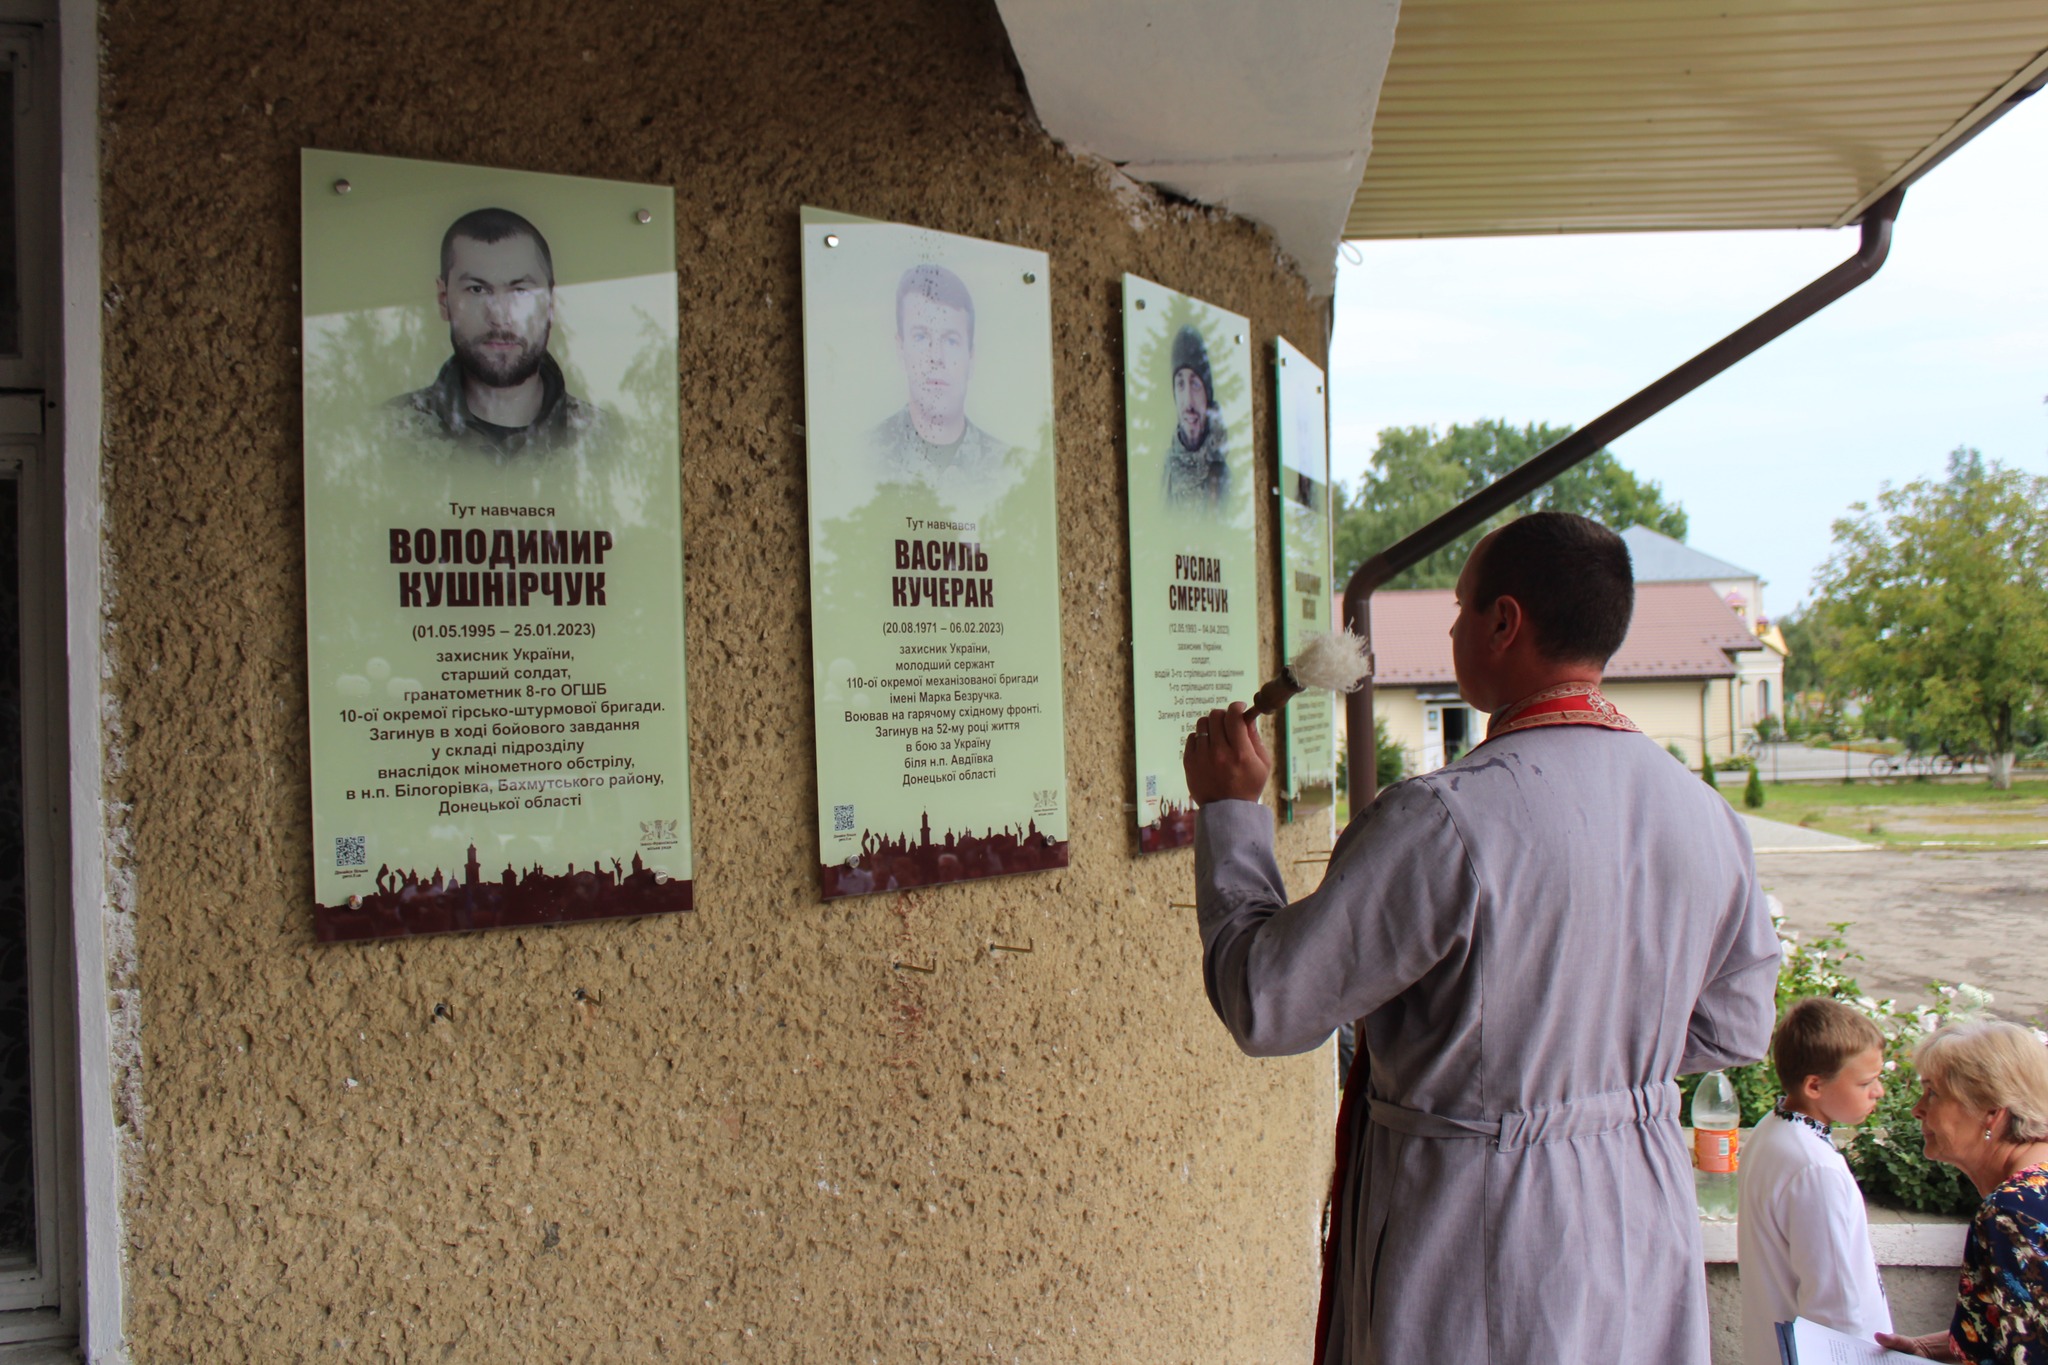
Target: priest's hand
pixel 1933 1346
pixel 1224 758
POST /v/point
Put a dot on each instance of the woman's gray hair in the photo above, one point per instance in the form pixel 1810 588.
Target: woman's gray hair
pixel 1989 1064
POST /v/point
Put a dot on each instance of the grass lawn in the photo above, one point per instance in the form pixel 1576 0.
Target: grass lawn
pixel 1961 813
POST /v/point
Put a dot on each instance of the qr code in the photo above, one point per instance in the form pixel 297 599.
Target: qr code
pixel 842 819
pixel 351 850
pixel 1151 785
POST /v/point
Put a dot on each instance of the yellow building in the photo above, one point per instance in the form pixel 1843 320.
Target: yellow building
pixel 1679 675
pixel 1759 685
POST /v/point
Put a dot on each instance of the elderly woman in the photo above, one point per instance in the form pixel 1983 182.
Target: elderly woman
pixel 1984 1110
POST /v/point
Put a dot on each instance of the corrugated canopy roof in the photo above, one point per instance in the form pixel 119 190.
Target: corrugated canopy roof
pixel 1516 116
pixel 1507 116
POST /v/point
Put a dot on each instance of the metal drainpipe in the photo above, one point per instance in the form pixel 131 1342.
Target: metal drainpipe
pixel 1540 469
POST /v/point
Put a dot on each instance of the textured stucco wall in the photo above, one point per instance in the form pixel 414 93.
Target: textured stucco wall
pixel 752 1140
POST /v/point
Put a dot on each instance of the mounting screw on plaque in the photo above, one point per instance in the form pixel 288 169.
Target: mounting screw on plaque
pixel 342 187
pixel 642 216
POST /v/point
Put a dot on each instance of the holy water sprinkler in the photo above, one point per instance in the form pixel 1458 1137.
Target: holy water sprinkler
pixel 1336 662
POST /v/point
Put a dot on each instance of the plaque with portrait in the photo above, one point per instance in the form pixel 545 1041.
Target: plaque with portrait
pixel 494 552
pixel 1188 448
pixel 935 587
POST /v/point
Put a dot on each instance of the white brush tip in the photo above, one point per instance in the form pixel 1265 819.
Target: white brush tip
pixel 1335 662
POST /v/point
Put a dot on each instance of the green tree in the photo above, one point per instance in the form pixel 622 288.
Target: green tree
pixel 1809 637
pixel 1416 475
pixel 1814 695
pixel 1390 760
pixel 1940 594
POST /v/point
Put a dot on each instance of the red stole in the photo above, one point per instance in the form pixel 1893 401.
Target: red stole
pixel 1572 703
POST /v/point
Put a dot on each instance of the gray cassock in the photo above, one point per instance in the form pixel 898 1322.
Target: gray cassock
pixel 1538 938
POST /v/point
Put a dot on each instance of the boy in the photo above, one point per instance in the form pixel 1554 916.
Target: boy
pixel 1802 1240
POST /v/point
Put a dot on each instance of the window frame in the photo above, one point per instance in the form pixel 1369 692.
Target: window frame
pixel 43 1303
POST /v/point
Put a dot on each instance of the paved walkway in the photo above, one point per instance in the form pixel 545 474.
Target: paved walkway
pixel 1922 914
pixel 1775 836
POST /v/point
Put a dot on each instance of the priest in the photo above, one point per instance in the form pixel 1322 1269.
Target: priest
pixel 1535 940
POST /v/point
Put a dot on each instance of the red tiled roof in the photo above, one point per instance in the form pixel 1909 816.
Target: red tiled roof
pixel 1679 630
pixel 1411 641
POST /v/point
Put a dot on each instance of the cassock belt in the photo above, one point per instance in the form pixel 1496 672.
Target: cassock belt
pixel 1583 1117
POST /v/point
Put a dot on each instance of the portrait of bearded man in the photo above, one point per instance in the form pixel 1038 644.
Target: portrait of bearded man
pixel 1196 473
pixel 500 391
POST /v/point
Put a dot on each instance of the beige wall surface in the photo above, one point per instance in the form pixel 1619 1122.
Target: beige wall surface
pixel 1407 720
pixel 1669 712
pixel 1402 709
pixel 736 1134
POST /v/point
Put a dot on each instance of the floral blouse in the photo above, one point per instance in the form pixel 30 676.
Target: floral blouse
pixel 2002 1300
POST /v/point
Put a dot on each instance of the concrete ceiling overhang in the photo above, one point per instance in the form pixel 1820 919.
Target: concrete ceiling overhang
pixel 1521 116
pixel 1262 109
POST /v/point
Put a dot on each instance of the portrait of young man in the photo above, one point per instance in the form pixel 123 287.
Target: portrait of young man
pixel 929 438
pixel 1197 472
pixel 500 390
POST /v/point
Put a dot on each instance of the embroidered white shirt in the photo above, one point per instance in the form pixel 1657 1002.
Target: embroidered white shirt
pixel 1802 1239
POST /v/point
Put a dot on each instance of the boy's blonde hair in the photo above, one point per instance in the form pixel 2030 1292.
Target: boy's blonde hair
pixel 1817 1037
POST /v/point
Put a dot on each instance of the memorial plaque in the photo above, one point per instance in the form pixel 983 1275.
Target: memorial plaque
pixel 935 622
pixel 1194 535
pixel 494 555
pixel 1308 724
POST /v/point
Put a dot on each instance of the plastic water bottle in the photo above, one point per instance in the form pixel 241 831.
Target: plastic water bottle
pixel 1715 1119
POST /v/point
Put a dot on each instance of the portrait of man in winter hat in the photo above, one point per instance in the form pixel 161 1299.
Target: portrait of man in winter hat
pixel 1197 473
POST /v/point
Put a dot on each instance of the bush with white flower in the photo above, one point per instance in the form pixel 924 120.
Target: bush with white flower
pixel 1884 1152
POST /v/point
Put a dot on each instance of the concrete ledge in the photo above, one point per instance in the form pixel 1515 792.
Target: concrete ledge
pixel 1896 1236
pixel 1908 1239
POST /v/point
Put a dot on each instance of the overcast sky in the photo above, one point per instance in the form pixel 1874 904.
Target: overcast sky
pixel 1947 346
